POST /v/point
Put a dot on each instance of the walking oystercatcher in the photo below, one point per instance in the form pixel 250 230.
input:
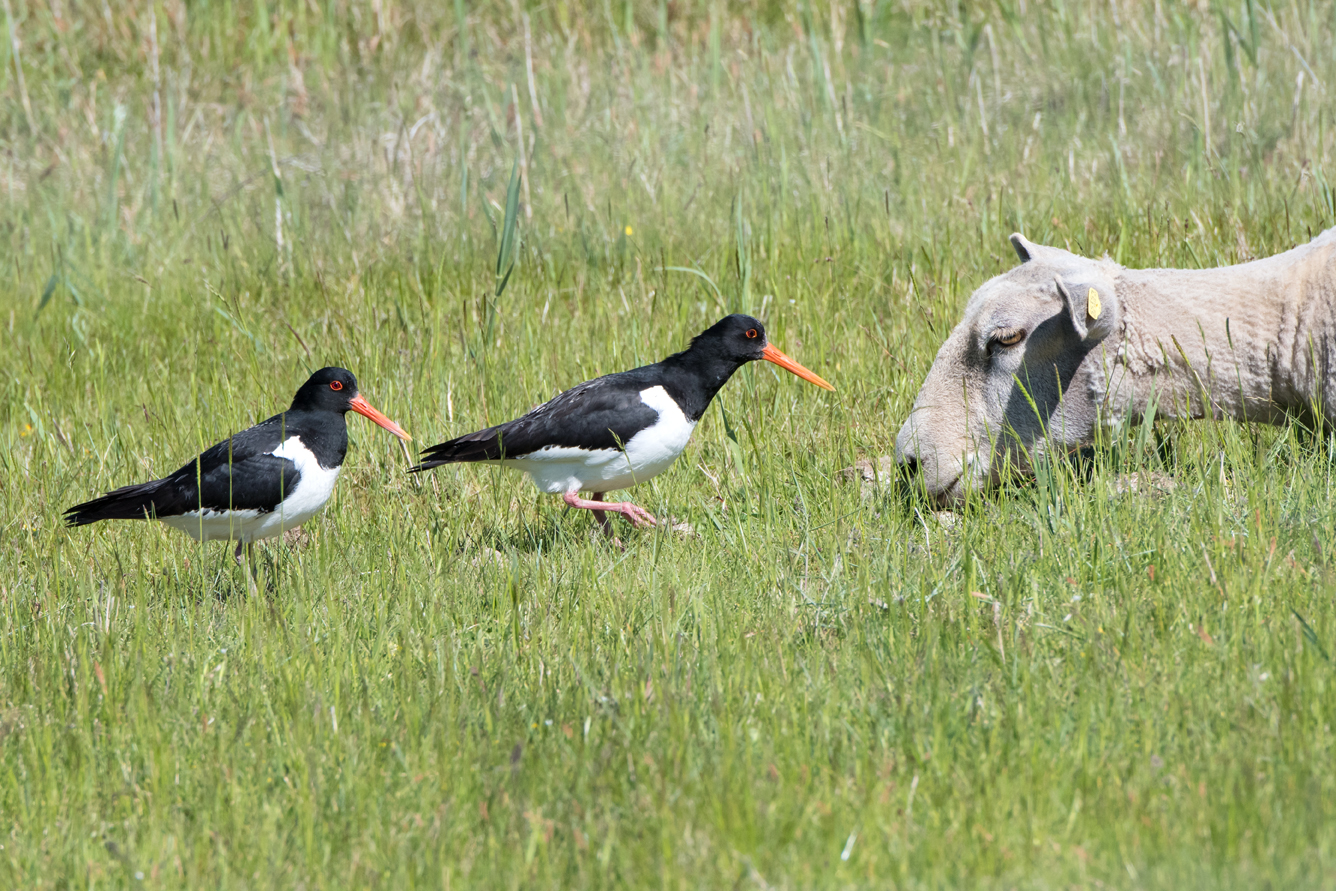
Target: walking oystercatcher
pixel 620 429
pixel 257 483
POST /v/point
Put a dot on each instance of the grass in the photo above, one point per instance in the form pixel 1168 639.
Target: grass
pixel 451 680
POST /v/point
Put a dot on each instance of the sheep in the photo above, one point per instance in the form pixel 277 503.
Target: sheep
pixel 1061 346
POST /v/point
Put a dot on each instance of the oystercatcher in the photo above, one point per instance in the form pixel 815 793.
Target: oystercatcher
pixel 620 429
pixel 257 483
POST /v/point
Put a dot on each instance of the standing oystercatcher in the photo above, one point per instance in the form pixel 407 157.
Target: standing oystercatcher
pixel 257 483
pixel 619 429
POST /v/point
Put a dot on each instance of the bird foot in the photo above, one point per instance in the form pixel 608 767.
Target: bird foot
pixel 636 516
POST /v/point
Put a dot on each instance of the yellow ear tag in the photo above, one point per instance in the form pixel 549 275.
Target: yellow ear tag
pixel 1093 307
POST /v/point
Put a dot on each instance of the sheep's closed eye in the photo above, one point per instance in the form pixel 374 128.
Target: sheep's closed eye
pixel 1007 337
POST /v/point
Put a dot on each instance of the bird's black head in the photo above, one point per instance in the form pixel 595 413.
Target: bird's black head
pixel 335 389
pixel 737 338
pixel 329 389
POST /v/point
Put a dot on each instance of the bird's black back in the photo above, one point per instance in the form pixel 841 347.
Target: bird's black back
pixel 600 414
pixel 239 473
pixel 606 412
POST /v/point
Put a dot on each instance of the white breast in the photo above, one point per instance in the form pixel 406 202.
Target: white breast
pixel 558 470
pixel 313 489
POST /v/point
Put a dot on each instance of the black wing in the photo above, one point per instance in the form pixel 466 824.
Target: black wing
pixel 239 473
pixel 600 414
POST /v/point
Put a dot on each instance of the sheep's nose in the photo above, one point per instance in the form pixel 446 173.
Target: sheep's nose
pixel 906 451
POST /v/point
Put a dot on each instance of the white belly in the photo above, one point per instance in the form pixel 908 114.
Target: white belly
pixel 210 525
pixel 313 489
pixel 558 470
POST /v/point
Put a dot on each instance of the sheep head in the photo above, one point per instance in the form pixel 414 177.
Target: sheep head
pixel 1020 374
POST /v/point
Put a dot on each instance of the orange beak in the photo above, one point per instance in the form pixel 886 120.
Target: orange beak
pixel 364 408
pixel 770 354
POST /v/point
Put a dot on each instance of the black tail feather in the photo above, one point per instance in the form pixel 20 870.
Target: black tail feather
pixel 126 503
pixel 485 445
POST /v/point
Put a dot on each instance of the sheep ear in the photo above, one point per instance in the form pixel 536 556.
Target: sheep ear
pixel 1024 249
pixel 1091 305
pixel 1028 250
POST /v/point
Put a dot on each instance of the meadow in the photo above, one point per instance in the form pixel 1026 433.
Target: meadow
pixel 449 680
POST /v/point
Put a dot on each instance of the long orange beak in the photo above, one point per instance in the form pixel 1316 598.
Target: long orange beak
pixel 770 354
pixel 365 409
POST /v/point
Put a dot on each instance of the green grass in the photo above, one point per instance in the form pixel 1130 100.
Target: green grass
pixel 453 681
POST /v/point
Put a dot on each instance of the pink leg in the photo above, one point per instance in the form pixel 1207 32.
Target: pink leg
pixel 637 516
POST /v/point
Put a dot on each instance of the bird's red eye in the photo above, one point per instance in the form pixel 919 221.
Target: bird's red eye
pixel 336 385
pixel 751 332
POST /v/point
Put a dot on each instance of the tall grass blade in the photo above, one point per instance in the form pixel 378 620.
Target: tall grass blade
pixel 505 255
pixel 1311 636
